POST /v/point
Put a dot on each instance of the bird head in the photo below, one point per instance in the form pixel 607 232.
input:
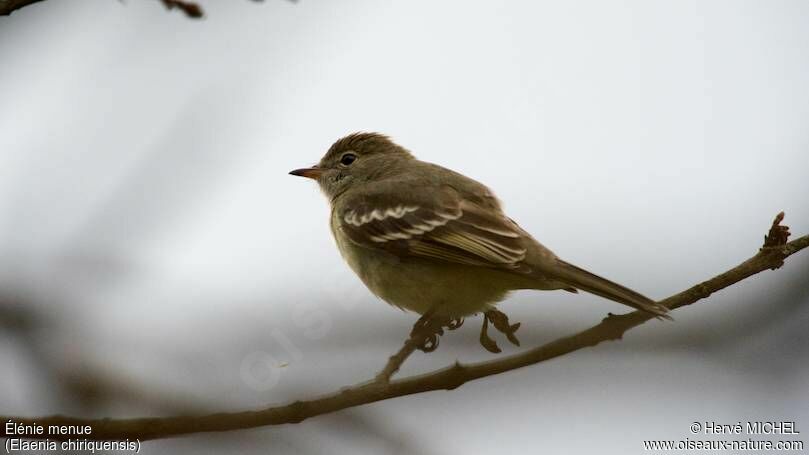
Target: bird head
pixel 356 159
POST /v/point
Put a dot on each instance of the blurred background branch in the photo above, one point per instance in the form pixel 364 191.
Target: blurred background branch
pixel 190 9
pixel 9 6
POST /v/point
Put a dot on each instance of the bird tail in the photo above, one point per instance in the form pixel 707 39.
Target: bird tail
pixel 594 284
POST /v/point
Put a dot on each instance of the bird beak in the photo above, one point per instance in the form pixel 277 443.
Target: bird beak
pixel 309 172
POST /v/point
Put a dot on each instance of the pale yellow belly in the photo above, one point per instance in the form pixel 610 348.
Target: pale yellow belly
pixel 417 285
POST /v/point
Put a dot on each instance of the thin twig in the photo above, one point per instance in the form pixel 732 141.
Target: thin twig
pixel 422 329
pixel 424 336
pixel 611 328
pixel 9 6
pixel 191 9
pixel 396 360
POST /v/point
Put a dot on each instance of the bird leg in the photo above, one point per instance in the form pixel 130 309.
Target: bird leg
pixel 423 337
pixel 500 322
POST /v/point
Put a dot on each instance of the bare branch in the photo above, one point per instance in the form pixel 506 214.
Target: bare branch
pixel 396 360
pixel 770 256
pixel 190 9
pixel 9 6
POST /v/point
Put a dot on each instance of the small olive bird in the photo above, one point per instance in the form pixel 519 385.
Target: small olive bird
pixel 433 241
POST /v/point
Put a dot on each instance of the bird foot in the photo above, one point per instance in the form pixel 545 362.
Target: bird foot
pixel 500 322
pixel 429 328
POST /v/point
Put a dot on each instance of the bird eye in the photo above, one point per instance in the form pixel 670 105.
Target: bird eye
pixel 347 159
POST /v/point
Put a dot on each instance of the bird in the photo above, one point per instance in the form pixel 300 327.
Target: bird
pixel 432 241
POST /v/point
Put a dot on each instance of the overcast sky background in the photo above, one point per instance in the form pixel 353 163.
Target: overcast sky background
pixel 149 227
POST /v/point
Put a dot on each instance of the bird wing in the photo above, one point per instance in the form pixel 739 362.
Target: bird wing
pixel 442 226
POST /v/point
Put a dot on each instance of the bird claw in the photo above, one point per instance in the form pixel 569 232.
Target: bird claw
pixel 500 322
pixel 429 343
pixel 430 329
pixel 453 324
